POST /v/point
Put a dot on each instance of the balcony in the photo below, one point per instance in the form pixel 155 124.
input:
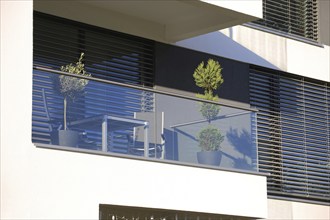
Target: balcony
pixel 165 21
pixel 127 120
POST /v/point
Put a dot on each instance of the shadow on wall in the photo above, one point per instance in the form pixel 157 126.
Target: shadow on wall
pixel 238 150
pixel 175 65
pixel 219 44
pixel 243 144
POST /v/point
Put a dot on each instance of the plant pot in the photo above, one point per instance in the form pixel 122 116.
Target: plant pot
pixel 54 137
pixel 209 157
pixel 68 138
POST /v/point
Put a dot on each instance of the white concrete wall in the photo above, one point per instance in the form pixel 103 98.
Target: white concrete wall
pixel 39 183
pixel 16 102
pixel 250 7
pixel 165 21
pixel 308 60
pixel 71 186
pixel 280 209
pixel 269 50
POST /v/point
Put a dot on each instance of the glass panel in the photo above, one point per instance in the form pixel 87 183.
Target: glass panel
pixel 122 120
pixel 235 126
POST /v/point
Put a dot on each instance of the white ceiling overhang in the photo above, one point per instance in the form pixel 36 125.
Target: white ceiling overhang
pixel 161 20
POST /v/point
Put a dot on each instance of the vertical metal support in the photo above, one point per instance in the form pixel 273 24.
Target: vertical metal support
pixel 162 142
pixel 146 139
pixel 105 133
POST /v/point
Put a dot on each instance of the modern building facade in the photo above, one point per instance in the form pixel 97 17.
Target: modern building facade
pixel 121 138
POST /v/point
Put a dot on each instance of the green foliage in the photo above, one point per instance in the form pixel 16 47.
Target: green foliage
pixel 209 111
pixel 208 96
pixel 208 77
pixel 210 138
pixel 71 87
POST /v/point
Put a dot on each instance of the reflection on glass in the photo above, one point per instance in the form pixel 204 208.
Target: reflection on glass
pixel 129 121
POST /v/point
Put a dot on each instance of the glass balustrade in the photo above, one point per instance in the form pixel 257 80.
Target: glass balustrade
pixel 125 120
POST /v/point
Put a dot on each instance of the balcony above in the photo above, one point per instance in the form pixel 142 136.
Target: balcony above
pixel 165 21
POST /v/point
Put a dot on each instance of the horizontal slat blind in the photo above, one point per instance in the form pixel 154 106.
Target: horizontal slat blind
pixel 297 17
pixel 293 134
pixel 109 55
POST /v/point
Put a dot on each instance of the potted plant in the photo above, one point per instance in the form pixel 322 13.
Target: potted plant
pixel 209 138
pixel 71 88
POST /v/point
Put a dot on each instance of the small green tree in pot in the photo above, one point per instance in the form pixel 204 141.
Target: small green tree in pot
pixel 209 138
pixel 71 88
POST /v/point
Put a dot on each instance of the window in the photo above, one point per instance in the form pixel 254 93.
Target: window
pixel 109 55
pixel 295 17
pixel 293 134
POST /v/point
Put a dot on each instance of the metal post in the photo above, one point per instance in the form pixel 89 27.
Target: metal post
pixel 146 139
pixel 105 133
pixel 162 138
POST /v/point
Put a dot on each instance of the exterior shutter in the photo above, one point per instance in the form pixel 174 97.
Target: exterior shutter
pixel 295 17
pixel 293 134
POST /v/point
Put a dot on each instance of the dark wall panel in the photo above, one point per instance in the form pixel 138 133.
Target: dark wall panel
pixel 175 67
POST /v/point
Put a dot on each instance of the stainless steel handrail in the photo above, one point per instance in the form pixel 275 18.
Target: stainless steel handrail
pixel 139 88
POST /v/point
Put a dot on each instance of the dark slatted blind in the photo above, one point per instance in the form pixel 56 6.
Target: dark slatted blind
pixel 296 17
pixel 293 134
pixel 109 55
